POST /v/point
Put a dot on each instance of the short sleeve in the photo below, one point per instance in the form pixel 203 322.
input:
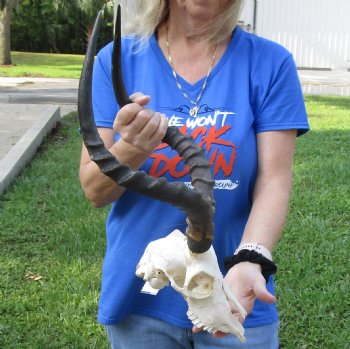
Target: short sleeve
pixel 283 106
pixel 104 103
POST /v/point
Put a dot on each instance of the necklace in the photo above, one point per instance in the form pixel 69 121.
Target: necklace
pixel 194 110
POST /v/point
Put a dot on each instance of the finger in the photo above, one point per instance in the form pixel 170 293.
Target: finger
pixel 262 293
pixel 196 329
pixel 151 126
pixel 238 315
pixel 219 334
pixel 247 303
pixel 140 98
pixel 163 126
pixel 233 300
pixel 156 127
pixel 127 114
pixel 131 132
pixel 142 118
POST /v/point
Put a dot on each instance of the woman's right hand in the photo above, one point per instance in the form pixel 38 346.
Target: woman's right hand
pixel 140 127
pixel 141 131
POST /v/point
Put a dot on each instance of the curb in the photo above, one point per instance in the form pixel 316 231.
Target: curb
pixel 21 153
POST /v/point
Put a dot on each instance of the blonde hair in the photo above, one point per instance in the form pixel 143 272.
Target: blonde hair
pixel 145 16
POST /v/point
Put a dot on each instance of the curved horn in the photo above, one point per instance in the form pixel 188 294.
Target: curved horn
pixel 197 203
pixel 117 74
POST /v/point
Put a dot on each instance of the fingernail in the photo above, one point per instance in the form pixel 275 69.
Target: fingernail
pixel 141 96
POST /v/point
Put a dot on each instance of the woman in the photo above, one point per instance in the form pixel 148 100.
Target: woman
pixel 239 97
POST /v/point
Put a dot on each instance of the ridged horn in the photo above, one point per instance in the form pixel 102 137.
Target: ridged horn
pixel 197 203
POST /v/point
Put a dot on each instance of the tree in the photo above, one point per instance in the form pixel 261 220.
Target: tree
pixel 6 7
pixel 60 26
pixel 54 30
pixel 89 9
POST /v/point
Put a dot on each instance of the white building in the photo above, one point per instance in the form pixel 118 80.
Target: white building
pixel 317 32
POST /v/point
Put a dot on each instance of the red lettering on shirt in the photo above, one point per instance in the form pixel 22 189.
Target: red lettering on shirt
pixel 211 140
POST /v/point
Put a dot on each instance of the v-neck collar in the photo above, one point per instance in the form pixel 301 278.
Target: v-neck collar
pixel 197 85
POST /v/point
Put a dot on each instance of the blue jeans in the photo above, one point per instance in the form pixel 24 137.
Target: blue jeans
pixel 141 332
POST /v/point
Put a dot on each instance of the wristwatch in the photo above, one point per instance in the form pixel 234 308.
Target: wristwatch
pixel 254 246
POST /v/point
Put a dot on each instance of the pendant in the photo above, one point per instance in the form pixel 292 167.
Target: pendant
pixel 194 111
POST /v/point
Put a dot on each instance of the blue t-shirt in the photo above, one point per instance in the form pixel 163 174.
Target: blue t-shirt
pixel 253 88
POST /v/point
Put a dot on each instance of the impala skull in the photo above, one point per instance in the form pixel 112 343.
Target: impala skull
pixel 197 277
pixel 191 268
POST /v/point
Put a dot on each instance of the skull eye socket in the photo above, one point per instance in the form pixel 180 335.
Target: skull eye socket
pixel 201 285
pixel 158 280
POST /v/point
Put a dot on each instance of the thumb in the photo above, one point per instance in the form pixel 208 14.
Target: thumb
pixel 262 293
pixel 140 98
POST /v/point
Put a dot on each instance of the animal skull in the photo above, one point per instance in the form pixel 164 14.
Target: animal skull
pixel 197 277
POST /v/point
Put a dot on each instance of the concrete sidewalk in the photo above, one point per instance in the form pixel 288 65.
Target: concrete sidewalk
pixel 22 130
pixel 325 83
pixel 31 107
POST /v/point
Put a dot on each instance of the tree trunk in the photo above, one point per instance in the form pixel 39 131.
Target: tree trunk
pixel 6 7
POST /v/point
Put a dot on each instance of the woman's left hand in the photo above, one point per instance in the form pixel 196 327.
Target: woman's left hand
pixel 247 283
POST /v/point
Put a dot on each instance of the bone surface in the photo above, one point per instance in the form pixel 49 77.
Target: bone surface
pixel 198 278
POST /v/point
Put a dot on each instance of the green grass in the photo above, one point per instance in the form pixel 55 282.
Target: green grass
pixel 313 282
pixel 48 229
pixel 43 65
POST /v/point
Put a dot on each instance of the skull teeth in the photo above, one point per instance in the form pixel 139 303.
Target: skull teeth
pixel 199 323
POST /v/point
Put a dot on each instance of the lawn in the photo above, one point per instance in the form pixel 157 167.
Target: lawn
pixel 313 281
pixel 43 65
pixel 52 244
